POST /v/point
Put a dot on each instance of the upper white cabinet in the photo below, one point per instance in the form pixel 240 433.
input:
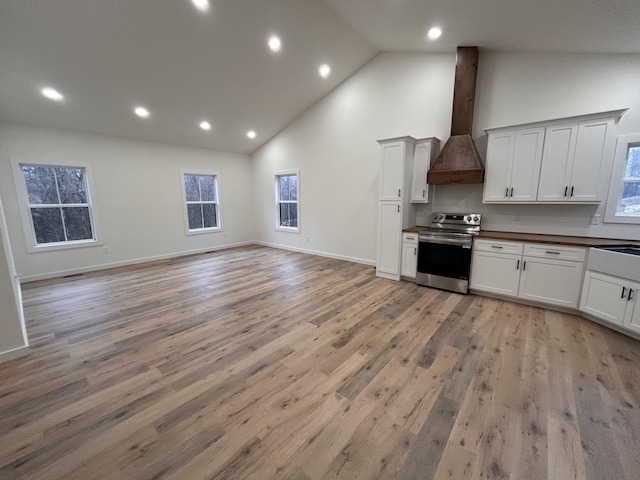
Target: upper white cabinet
pixel 572 161
pixel 513 165
pixel 563 160
pixel 426 150
pixel 395 167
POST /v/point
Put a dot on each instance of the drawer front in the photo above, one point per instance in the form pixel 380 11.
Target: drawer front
pixel 410 238
pixel 498 246
pixel 575 254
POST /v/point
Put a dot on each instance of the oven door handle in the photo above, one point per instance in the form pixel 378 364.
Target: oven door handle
pixel 464 243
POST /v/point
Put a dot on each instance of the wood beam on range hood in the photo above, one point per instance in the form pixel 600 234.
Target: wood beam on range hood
pixel 464 91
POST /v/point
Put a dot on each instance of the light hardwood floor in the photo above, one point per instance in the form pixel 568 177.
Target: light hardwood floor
pixel 257 363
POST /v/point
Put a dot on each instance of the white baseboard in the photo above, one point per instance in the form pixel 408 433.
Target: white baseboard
pixel 105 266
pixel 363 261
pixel 12 354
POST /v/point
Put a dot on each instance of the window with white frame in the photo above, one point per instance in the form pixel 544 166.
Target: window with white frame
pixel 58 205
pixel 202 208
pixel 623 203
pixel 287 186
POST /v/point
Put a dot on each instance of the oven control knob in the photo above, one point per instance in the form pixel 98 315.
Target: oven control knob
pixel 475 219
pixel 435 217
pixel 468 218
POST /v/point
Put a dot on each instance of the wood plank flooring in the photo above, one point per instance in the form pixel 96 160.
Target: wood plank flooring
pixel 256 363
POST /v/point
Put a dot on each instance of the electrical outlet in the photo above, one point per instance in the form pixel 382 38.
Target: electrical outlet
pixel 105 250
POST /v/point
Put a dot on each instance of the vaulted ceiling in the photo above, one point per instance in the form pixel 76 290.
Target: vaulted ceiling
pixel 187 66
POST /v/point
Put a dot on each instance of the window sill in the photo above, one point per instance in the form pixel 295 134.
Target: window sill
pixel 288 229
pixel 622 219
pixel 48 247
pixel 201 231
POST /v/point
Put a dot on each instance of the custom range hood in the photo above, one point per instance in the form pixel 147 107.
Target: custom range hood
pixel 459 161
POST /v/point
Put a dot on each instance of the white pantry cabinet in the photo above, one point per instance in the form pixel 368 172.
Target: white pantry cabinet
pixel 556 161
pixel 541 273
pixel 611 299
pixel 395 209
pixel 572 161
pixel 409 255
pixel 426 150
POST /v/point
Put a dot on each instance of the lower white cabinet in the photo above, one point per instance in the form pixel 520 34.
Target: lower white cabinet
pixel 409 255
pixel 540 273
pixel 389 240
pixel 611 299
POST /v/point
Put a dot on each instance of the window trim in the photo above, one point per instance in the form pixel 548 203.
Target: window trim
pixel 616 183
pixel 276 175
pixel 25 210
pixel 218 203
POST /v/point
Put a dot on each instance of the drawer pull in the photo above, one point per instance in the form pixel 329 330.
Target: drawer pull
pixel 410 238
pixel 496 246
pixel 552 252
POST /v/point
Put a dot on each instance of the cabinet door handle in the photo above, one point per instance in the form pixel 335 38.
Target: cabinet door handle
pixel 496 246
pixel 552 252
pixel 623 291
pixel 511 195
pixel 506 192
pixel 398 193
pixel 571 194
pixel 524 265
pixel 398 208
pixel 566 189
pixel 423 193
pixel 517 264
pixel 415 251
pixel 630 294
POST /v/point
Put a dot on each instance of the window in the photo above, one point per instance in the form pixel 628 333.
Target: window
pixel 202 207
pixel 58 205
pixel 623 204
pixel 287 206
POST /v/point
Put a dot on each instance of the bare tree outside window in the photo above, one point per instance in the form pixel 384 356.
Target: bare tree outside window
pixel 630 201
pixel 287 200
pixel 58 203
pixel 201 193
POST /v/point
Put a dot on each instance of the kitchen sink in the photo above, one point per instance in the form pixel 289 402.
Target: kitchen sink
pixel 618 260
pixel 627 249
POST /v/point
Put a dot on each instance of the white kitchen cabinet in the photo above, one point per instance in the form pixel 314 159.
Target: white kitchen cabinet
pixel 409 255
pixel 551 281
pixel 542 273
pixel 395 209
pixel 572 161
pixel 513 165
pixel 495 272
pixel 389 239
pixel 611 299
pixel 426 150
pixel 555 161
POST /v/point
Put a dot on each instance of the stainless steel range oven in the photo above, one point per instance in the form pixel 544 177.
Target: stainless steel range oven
pixel 444 251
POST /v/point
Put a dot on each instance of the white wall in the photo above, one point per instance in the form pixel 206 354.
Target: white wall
pixel 334 146
pixel 521 88
pixel 137 194
pixel 395 94
pixel 13 340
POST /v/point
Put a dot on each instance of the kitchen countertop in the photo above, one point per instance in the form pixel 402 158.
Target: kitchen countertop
pixel 540 238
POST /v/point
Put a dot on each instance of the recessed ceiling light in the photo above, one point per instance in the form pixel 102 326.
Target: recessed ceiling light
pixel 202 5
pixel 251 134
pixel 52 94
pixel 141 112
pixel 434 33
pixel 205 125
pixel 324 70
pixel 275 44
